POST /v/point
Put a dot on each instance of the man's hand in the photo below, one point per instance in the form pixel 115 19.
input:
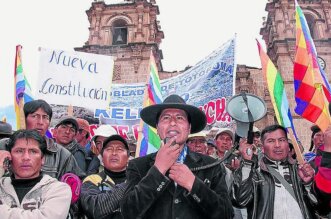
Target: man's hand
pixel 306 172
pixel 327 139
pixel 246 150
pixel 3 155
pixel 235 164
pixel 167 156
pixel 182 175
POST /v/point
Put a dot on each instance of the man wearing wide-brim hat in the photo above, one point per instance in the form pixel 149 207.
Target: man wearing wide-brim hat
pixel 171 182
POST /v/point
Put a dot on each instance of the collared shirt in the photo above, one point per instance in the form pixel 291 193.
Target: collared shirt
pixel 182 155
pixel 285 206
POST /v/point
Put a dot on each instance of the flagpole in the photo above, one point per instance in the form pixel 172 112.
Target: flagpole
pixel 296 146
pixel 19 97
pixel 21 114
pixel 325 105
pixel 141 123
pixel 70 110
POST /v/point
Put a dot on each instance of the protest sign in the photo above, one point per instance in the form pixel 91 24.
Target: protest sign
pixel 74 78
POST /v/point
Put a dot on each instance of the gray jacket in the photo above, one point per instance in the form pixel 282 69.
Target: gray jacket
pixel 48 199
pixel 58 160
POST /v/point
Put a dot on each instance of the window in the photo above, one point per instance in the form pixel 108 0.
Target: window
pixel 310 21
pixel 119 32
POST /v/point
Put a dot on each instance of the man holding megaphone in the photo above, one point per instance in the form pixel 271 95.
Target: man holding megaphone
pixel 276 180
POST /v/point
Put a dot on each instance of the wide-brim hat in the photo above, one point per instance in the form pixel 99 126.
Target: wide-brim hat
pixel 198 134
pixel 197 118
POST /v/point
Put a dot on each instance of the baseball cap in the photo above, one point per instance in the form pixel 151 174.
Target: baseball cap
pixel 66 120
pixel 225 130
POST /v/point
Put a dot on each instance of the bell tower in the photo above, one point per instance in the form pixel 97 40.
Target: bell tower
pixel 127 30
pixel 278 32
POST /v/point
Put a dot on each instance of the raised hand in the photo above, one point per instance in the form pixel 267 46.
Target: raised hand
pixel 3 155
pixel 167 156
pixel 235 164
pixel 306 172
pixel 182 175
pixel 245 149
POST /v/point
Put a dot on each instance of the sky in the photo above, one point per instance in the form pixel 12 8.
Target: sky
pixel 192 30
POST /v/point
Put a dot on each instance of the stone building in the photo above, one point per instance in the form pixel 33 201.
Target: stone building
pixel 129 30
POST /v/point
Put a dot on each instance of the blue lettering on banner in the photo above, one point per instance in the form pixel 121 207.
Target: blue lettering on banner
pixel 101 112
pixel 127 93
pixel 73 62
pixel 118 113
pixel 224 67
pixel 211 79
pixel 128 114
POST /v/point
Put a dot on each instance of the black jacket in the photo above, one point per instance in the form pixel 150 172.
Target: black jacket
pixel 79 154
pixel 257 192
pixel 153 195
pixel 100 196
pixel 59 161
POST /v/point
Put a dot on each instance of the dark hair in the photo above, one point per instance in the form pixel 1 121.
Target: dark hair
pixel 34 105
pixel 67 123
pixel 27 134
pixel 290 145
pixel 272 128
pixel 314 130
pixel 115 138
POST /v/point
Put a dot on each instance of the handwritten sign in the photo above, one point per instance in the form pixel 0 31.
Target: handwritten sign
pixel 75 78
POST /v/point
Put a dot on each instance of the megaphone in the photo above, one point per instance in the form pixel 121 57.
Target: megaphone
pixel 245 109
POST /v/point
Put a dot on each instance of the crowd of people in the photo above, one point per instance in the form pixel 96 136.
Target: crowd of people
pixel 191 175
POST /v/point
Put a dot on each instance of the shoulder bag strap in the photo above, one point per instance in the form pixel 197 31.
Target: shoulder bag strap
pixel 287 186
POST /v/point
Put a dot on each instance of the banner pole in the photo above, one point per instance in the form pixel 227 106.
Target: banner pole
pixel 296 147
pixel 70 110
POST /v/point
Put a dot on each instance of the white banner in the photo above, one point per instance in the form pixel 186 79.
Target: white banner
pixel 75 78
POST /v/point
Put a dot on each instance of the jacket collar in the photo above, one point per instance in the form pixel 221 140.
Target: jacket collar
pixel 51 145
pixel 267 161
pixel 192 159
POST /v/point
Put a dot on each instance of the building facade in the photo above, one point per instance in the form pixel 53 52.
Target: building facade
pixel 278 32
pixel 130 31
